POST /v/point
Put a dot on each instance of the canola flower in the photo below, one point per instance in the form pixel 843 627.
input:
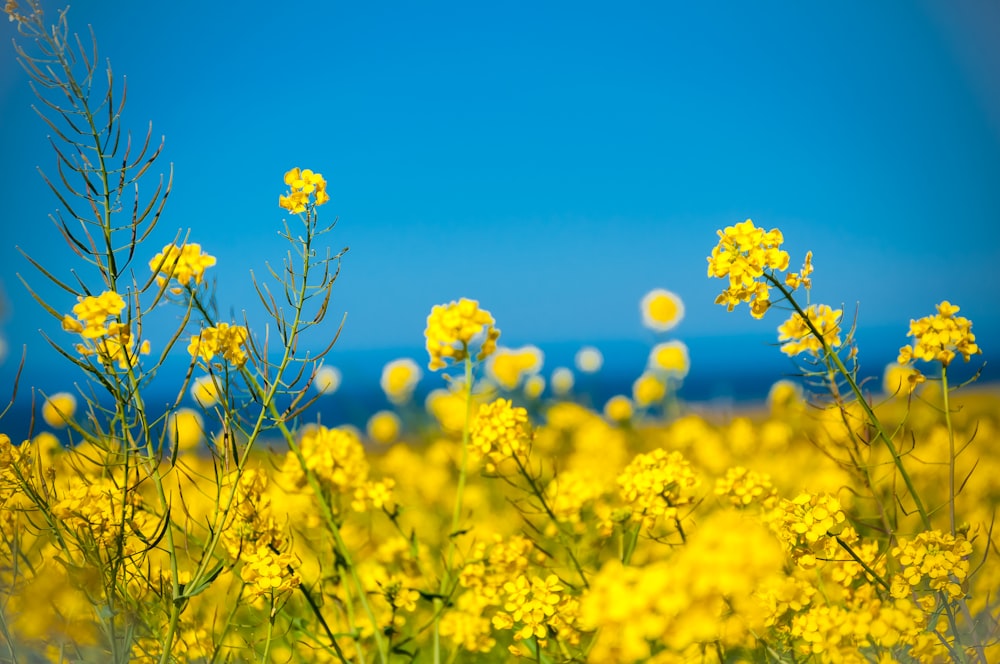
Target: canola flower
pixel 451 329
pixel 183 264
pixel 940 338
pixel 205 391
pixel 744 256
pixel 92 313
pixel 671 358
pixel 185 429
pixel 223 339
pixel 500 432
pixel 58 409
pixel 399 380
pixel 306 188
pixel 509 366
pixel 327 380
pixel 797 337
pixel 661 310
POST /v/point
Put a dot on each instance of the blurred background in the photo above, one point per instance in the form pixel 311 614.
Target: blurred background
pixel 555 161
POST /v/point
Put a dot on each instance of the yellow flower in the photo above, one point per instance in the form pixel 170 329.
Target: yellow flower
pixel 452 327
pixel 589 360
pixel 58 409
pixel 383 427
pixel 500 431
pixel 900 379
pixel 670 357
pixel 798 338
pixel 940 337
pixel 185 429
pixel 648 389
pixel 534 386
pixel 204 391
pixel 303 184
pixel 508 366
pixel 327 380
pixel 661 310
pixel 91 314
pixel 399 379
pixel 562 381
pixel 618 408
pixel 223 339
pixel 183 264
pixel 744 255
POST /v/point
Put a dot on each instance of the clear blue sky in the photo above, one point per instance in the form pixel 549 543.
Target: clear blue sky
pixel 554 160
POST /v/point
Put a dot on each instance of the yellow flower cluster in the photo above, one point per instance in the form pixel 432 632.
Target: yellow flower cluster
pixel 94 511
pixel 267 573
pixel 92 314
pixel 806 525
pixel 303 183
pixel 251 524
pixel 743 255
pixel 336 456
pixel 500 432
pixel 940 337
pixel 508 366
pixel 940 559
pixel 111 341
pixel 743 487
pixel 183 264
pixel 535 607
pixel 224 339
pixel 452 327
pixel 797 337
pixel 656 484
pixel 795 279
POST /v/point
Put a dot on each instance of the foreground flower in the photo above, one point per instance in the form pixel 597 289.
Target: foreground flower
pixel 940 337
pixel 451 329
pixel 92 313
pixel 797 336
pixel 661 310
pixel 743 255
pixel 303 184
pixel 183 264
pixel 223 339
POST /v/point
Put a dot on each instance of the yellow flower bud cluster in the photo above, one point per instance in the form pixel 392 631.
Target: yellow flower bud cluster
pixel 797 337
pixel 111 341
pixel 303 184
pixel 940 559
pixel 940 337
pixel 183 264
pixel 251 523
pixel 743 254
pixel 500 432
pixel 656 484
pixel 223 339
pixel 452 327
pixel 807 525
pixel 94 511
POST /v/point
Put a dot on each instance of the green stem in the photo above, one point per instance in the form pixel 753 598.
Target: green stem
pixel 951 447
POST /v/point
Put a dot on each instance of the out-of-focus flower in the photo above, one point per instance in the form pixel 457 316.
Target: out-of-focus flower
pixel 743 254
pixel 399 379
pixel 303 183
pixel 619 408
pixel 901 379
pixel 500 431
pixel 451 329
pixel 562 381
pixel 183 264
pixel 670 357
pixel 384 426
pixel 223 339
pixel 185 429
pixel 327 379
pixel 648 389
pixel 589 360
pixel 795 279
pixel 784 395
pixel 534 386
pixel 661 310
pixel 58 409
pixel 508 366
pixel 940 337
pixel 797 337
pixel 204 391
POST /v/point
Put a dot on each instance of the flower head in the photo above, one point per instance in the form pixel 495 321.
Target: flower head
pixel 92 313
pixel 671 358
pixel 500 431
pixel 797 337
pixel 508 366
pixel 661 310
pixel 940 337
pixel 58 409
pixel 399 379
pixel 303 183
pixel 224 339
pixel 451 329
pixel 183 264
pixel 743 255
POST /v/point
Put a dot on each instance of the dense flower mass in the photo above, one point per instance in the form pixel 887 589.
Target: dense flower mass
pixel 656 485
pixel 940 337
pixel 743 255
pixel 183 264
pixel 303 184
pixel 938 559
pixel 451 328
pixel 500 431
pixel 797 337
pixel 224 339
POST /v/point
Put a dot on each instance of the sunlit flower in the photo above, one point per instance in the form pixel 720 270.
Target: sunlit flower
pixel 185 429
pixel 670 357
pixel 303 183
pixel 327 379
pixel 183 264
pixel 743 255
pixel 940 337
pixel 451 329
pixel 399 379
pixel 901 379
pixel 500 431
pixel 92 313
pixel 508 366
pixel 618 408
pixel 58 409
pixel 223 339
pixel 589 360
pixel 797 336
pixel 204 391
pixel 383 427
pixel 561 381
pixel 648 389
pixel 661 310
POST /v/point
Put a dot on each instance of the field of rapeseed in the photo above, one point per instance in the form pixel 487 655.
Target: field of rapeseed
pixel 843 523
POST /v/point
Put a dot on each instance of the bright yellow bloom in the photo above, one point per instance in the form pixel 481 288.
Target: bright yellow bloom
pixel 183 264
pixel 399 379
pixel 670 357
pixel 940 337
pixel 223 339
pixel 119 346
pixel 303 184
pixel 204 391
pixel 618 408
pixel 500 431
pixel 185 429
pixel 58 409
pixel 940 559
pixel 327 380
pixel 508 366
pixel 798 338
pixel 795 279
pixel 648 389
pixel 452 327
pixel 900 380
pixel 656 484
pixel 267 573
pixel 743 255
pixel 384 426
pixel 92 313
pixel 661 310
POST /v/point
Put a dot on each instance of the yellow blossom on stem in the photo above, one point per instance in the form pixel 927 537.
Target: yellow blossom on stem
pixel 92 313
pixel 742 256
pixel 797 337
pixel 303 183
pixel 500 431
pixel 223 339
pixel 183 264
pixel 940 337
pixel 452 327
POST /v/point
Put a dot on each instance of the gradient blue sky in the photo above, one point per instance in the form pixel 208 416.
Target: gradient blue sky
pixel 553 160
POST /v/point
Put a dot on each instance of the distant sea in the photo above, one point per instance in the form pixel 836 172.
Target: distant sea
pixel 727 372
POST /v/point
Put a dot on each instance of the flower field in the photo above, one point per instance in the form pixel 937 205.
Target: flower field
pixel 501 520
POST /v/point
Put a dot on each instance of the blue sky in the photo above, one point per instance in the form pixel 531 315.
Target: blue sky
pixel 553 160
